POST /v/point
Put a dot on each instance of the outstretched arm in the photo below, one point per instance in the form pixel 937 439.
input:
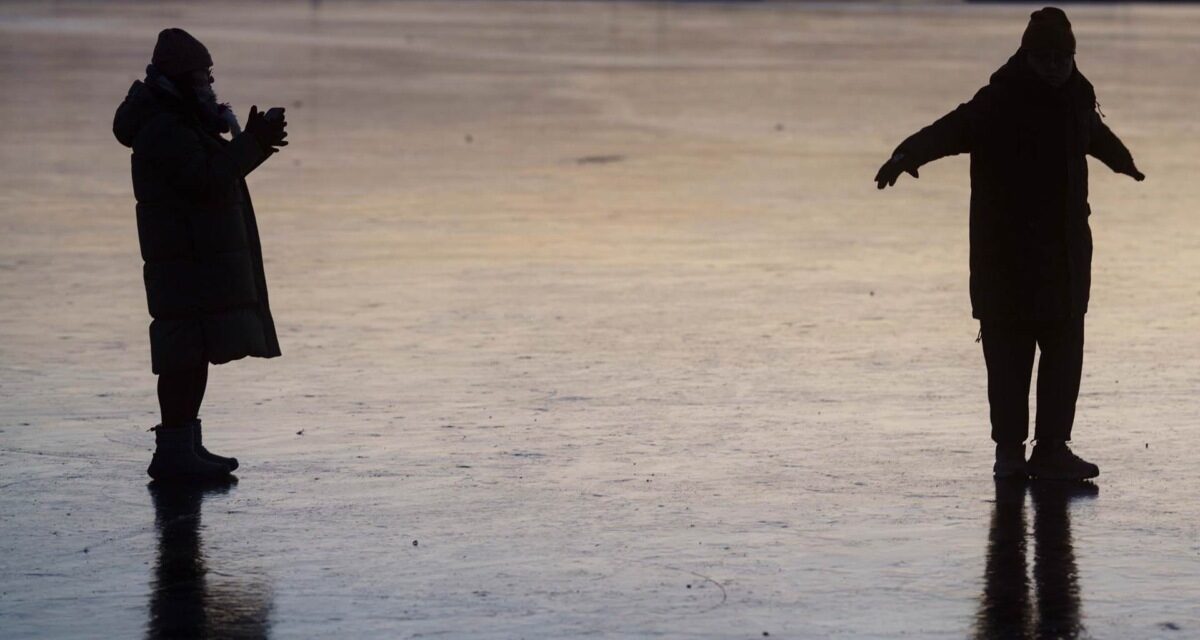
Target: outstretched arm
pixel 949 135
pixel 1108 148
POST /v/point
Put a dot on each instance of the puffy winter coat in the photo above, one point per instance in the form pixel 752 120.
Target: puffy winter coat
pixel 1031 246
pixel 203 271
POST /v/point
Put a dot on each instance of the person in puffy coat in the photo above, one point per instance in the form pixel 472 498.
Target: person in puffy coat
pixel 1028 132
pixel 203 272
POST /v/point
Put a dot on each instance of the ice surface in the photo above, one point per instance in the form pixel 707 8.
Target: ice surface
pixel 594 324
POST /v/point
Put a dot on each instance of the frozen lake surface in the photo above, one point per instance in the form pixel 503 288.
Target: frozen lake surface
pixel 594 325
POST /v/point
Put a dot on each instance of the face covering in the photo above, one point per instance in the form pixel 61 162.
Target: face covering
pixel 217 115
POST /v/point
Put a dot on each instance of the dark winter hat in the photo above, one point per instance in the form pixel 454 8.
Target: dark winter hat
pixel 177 52
pixel 1049 29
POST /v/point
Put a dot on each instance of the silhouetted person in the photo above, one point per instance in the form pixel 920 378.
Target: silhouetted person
pixel 203 268
pixel 182 602
pixel 1006 610
pixel 1028 132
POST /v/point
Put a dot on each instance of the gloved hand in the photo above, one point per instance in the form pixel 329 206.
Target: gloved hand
pixel 269 133
pixel 1137 175
pixel 891 170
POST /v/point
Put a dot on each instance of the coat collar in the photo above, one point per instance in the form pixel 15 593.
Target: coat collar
pixel 1016 79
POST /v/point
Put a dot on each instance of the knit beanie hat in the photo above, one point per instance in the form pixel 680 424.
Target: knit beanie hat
pixel 1049 29
pixel 177 53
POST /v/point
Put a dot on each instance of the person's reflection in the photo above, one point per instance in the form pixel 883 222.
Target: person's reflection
pixel 182 602
pixel 1005 608
pixel 1054 558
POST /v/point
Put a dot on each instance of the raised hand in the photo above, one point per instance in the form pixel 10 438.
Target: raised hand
pixel 268 132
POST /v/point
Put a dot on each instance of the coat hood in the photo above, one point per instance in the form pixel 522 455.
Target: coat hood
pixel 139 106
pixel 146 99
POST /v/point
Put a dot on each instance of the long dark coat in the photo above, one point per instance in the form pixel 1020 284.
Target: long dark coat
pixel 1031 246
pixel 205 284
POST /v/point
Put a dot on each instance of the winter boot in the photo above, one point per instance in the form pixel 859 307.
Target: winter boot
pixel 175 459
pixel 198 445
pixel 1053 460
pixel 1010 461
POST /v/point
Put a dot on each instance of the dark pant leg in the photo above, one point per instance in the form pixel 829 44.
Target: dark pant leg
pixel 1059 370
pixel 1008 351
pixel 180 394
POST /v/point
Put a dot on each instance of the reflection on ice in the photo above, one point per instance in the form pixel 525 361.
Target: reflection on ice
pixel 184 602
pixel 1005 608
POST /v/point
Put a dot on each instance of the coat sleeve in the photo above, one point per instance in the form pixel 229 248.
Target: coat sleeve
pixel 1106 147
pixel 952 134
pixel 197 169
